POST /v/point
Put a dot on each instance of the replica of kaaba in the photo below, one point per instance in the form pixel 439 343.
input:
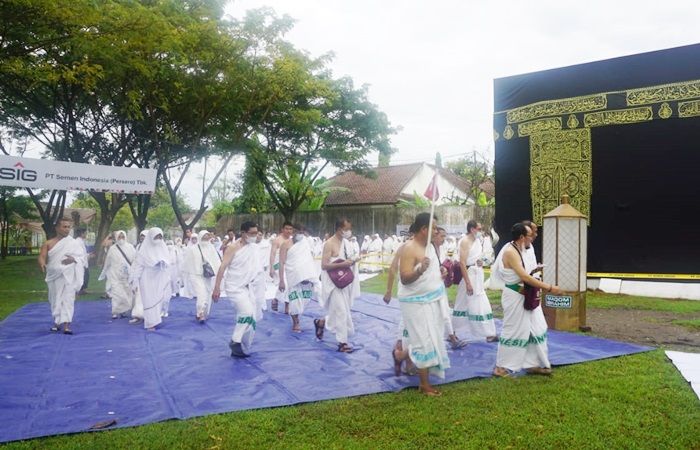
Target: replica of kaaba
pixel 621 137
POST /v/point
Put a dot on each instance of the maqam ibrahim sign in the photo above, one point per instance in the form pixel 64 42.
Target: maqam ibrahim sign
pixel 69 176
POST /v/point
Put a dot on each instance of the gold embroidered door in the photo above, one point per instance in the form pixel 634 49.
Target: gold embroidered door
pixel 560 163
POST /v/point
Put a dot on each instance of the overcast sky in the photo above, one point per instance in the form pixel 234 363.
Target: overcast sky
pixel 430 65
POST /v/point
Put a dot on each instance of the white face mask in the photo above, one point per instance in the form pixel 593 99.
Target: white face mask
pixel 479 234
pixel 347 234
pixel 121 240
pixel 251 239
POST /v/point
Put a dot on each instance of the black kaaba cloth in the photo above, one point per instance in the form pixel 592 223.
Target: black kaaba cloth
pixel 621 137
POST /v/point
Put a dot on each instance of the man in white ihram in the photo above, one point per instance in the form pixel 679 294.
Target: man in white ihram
pixel 335 300
pixel 63 260
pixel 241 266
pixel 298 274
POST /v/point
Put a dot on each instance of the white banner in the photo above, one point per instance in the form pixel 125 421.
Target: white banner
pixel 68 176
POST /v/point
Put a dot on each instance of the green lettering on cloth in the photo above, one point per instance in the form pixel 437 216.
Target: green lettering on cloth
pixel 247 319
pixel 523 342
pixel 473 317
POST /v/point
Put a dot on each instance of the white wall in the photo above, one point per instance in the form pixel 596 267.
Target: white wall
pixel 662 289
pixel 422 179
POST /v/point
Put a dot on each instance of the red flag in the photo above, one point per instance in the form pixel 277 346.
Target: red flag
pixel 432 192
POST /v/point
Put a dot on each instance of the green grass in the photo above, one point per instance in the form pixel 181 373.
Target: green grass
pixel 377 285
pixel 21 282
pixel 693 325
pixel 613 301
pixel 637 401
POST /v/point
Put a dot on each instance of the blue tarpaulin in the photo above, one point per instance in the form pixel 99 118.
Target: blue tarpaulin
pixel 111 370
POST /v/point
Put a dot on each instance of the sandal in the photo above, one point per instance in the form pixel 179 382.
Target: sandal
pixel 458 343
pixel 54 328
pixel 432 392
pixel 344 348
pixel 501 372
pixel 319 329
pixel 67 331
pixel 539 370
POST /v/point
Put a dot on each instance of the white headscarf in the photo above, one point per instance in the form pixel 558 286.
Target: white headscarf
pixel 154 251
pixel 124 245
pixel 194 259
pixel 138 241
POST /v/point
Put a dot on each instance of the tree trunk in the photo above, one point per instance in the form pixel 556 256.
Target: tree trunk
pixel 138 205
pixel 52 213
pixel 4 225
pixel 108 211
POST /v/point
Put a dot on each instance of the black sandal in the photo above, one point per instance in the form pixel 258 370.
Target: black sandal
pixel 344 348
pixel 319 329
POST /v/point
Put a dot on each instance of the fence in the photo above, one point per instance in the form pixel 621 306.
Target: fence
pixel 365 219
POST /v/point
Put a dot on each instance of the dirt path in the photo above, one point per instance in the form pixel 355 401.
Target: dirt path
pixel 653 328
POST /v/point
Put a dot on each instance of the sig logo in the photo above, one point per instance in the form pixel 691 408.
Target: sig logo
pixel 18 172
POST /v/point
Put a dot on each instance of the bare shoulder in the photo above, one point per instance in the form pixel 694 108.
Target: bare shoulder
pixel 331 245
pixel 50 243
pixel 286 244
pixel 411 250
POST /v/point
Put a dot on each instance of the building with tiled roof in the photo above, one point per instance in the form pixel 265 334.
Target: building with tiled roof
pixel 389 184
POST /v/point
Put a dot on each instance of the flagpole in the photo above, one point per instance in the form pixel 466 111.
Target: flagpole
pixel 432 213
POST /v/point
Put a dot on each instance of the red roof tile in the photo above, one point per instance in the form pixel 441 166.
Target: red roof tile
pixel 383 187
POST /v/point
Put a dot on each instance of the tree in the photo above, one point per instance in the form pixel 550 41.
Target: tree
pixel 317 193
pixel 316 122
pixel 161 213
pixel 477 169
pixel 253 196
pixel 12 207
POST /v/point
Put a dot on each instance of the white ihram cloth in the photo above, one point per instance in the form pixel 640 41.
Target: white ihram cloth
pixel 523 340
pixel 240 289
pixel 261 279
pixel 423 318
pixel 375 258
pixel 472 313
pixel 387 250
pixel 280 296
pixel 337 302
pixel 116 271
pixel 150 273
pixel 301 276
pixel 200 286
pixel 175 277
pixel 64 280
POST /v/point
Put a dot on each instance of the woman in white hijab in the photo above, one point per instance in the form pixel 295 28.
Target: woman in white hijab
pixel 150 273
pixel 200 285
pixel 186 290
pixel 118 261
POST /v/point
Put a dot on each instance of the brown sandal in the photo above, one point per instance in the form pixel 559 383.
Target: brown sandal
pixel 539 370
pixel 430 393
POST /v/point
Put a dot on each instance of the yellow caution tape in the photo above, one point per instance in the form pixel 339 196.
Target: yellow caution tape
pixel 651 276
